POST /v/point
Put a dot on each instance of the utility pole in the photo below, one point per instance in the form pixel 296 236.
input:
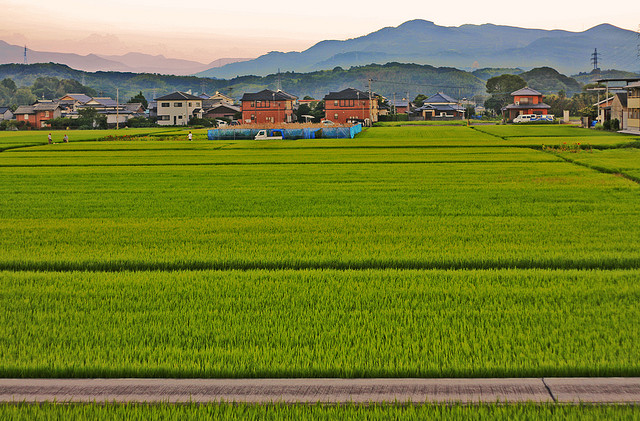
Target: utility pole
pixel 370 104
pixel 395 110
pixel 117 108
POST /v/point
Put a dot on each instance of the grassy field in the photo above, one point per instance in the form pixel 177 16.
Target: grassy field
pixel 408 251
pixel 303 412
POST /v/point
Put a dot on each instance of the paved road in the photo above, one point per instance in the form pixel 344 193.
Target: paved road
pixel 561 390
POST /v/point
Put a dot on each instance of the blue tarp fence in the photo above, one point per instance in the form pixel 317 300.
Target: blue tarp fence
pixel 306 133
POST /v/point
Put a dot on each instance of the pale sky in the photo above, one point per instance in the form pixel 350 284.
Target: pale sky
pixel 205 30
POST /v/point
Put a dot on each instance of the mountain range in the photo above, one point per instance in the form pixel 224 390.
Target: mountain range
pixel 130 62
pixel 465 47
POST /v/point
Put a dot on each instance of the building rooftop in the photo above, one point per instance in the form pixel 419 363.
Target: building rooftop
pixel 440 98
pixel 526 91
pixel 178 96
pixel 268 95
pixel 349 93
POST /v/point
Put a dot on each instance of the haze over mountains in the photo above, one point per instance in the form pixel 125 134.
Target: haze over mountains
pixel 423 42
pixel 130 62
pixel 416 41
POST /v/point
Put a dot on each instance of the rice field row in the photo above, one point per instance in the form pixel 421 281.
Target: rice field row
pixel 276 412
pixel 320 323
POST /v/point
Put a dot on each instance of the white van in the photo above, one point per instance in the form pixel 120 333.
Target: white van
pixel 526 118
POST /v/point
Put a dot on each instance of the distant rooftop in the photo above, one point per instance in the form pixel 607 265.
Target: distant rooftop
pixel 526 91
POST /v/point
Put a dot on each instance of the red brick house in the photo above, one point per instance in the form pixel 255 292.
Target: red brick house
pixel 349 105
pixel 38 114
pixel 268 106
pixel 525 101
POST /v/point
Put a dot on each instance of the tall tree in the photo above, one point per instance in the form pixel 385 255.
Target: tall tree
pixel 139 98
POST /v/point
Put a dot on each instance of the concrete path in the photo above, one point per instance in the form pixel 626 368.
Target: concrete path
pixel 560 390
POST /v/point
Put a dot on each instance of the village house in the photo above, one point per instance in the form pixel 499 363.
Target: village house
pixel 6 113
pixel 633 107
pixel 72 101
pixel 221 111
pixel 37 115
pixel 177 108
pixel 440 106
pixel 525 101
pixel 350 105
pixel 268 106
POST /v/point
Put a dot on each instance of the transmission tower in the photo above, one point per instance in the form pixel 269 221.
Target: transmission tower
pixel 25 55
pixel 594 60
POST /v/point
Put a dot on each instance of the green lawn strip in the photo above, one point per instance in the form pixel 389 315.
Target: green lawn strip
pixel 320 323
pixel 12 140
pixel 206 153
pixel 448 215
pixel 624 161
pixel 316 412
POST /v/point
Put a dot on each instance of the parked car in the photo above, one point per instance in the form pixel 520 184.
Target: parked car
pixel 328 123
pixel 526 118
pixel 221 123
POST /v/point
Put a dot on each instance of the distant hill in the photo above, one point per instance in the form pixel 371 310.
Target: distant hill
pixel 547 80
pixel 591 77
pixel 387 79
pixel 130 62
pixel 424 42
pixel 488 73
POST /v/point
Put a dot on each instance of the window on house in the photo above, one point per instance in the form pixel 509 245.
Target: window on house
pixel 524 101
pixel 335 116
pixel 165 104
pixel 335 102
pixel 26 116
pixel 177 104
pixel 46 113
pixel 189 104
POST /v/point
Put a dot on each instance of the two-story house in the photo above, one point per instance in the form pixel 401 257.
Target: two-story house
pixel 633 107
pixel 268 106
pixel 350 105
pixel 176 109
pixel 37 115
pixel 525 101
pixel 441 105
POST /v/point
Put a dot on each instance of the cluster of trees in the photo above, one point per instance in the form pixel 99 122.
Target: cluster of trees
pixel 44 87
pixel 579 104
pixel 316 110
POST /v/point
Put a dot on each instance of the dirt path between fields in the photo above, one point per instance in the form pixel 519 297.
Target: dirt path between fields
pixel 333 391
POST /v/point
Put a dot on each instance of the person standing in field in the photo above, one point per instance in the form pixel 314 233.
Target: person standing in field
pixel 49 139
pixel 65 138
pixel 190 136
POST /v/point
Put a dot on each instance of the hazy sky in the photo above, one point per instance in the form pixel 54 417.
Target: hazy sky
pixel 205 30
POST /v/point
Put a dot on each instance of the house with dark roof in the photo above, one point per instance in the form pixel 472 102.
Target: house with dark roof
pixel 38 114
pixel 6 113
pixel 72 101
pixel 177 108
pixel 441 106
pixel 350 105
pixel 268 106
pixel 222 111
pixel 525 101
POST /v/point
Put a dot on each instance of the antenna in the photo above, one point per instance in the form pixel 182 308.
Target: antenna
pixel 25 55
pixel 594 60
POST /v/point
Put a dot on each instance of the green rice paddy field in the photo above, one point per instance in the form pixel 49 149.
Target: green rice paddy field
pixel 18 412
pixel 408 251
